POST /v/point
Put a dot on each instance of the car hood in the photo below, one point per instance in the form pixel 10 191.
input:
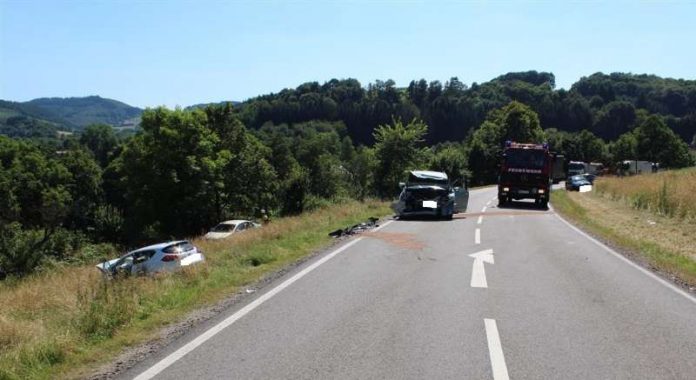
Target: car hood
pixel 217 235
pixel 424 187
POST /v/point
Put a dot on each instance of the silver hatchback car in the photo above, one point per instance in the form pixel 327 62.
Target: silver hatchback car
pixel 161 257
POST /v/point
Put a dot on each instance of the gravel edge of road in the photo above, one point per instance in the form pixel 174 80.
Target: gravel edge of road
pixel 131 356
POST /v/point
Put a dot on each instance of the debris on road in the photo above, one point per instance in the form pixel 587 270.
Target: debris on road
pixel 356 229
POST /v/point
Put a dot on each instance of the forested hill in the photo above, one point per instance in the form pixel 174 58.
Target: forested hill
pixel 68 113
pixel 81 112
pixel 607 105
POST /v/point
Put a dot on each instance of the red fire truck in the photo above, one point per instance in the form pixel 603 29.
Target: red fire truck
pixel 525 173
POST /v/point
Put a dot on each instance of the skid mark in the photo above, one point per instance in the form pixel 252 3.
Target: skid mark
pixel 399 239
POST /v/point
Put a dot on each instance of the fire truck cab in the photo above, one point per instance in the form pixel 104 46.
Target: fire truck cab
pixel 525 173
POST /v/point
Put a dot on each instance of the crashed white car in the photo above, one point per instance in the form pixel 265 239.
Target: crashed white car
pixel 161 257
pixel 230 227
pixel 429 193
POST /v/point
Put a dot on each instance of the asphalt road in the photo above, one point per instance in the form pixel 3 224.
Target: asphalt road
pixel 409 302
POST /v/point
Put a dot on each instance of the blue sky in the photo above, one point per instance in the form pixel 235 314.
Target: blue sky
pixel 149 53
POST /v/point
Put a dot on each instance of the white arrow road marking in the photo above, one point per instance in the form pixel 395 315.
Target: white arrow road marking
pixel 477 236
pixel 495 350
pixel 478 272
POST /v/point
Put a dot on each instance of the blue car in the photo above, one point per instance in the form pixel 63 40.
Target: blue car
pixel 574 182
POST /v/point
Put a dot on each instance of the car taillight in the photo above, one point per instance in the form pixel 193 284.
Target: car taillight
pixel 168 258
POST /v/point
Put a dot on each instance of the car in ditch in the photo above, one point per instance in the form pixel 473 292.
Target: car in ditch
pixel 430 193
pixel 162 257
pixel 229 227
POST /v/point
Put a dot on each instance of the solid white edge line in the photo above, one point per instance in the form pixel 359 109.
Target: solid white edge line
pixel 495 351
pixel 626 260
pixel 480 219
pixel 477 236
pixel 199 340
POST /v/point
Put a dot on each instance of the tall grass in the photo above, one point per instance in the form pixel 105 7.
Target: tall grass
pixel 62 323
pixel 670 193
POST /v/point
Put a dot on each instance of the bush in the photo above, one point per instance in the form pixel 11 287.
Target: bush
pixel 18 249
pixel 23 251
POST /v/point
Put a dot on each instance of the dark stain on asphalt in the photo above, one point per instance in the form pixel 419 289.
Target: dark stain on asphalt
pixel 398 239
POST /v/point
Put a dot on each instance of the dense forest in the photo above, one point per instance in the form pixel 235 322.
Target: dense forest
pixel 606 105
pixel 85 196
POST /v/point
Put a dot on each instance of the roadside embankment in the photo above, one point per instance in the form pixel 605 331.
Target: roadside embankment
pixel 66 322
pixel 651 218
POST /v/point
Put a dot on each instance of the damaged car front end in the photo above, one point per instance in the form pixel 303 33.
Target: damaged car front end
pixel 430 194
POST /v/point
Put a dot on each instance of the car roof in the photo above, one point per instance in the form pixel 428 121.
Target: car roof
pixel 427 174
pixel 159 245
pixel 234 221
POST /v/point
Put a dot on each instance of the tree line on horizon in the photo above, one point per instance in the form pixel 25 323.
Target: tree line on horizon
pixel 606 105
pixel 83 198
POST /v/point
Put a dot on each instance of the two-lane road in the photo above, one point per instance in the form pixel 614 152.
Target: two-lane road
pixel 540 301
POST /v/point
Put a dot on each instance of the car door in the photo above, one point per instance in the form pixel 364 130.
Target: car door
pixel 142 261
pixel 461 197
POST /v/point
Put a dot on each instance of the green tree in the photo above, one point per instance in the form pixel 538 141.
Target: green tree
pixel 451 160
pixel 84 187
pixel 657 143
pixel 515 122
pixel 361 168
pixel 625 147
pixel 171 175
pixel 590 147
pixel 101 140
pixel 397 149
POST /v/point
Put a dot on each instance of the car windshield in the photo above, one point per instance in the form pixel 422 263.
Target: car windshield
pixel 415 180
pixel 525 158
pixel 575 167
pixel 224 227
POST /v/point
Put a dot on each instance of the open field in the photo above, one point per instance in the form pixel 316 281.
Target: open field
pixel 669 193
pixel 635 215
pixel 66 322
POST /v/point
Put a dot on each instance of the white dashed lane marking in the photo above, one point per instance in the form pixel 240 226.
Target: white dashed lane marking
pixel 495 350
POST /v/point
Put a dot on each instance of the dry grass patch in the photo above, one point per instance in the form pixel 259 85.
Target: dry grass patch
pixel 671 193
pixel 65 322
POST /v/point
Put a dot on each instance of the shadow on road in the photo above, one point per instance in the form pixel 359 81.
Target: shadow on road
pixel 521 205
pixel 425 218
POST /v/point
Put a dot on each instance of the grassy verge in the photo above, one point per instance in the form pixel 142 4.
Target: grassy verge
pixel 669 193
pixel 655 240
pixel 67 322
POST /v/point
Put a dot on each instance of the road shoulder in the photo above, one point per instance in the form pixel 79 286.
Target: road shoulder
pixel 660 245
